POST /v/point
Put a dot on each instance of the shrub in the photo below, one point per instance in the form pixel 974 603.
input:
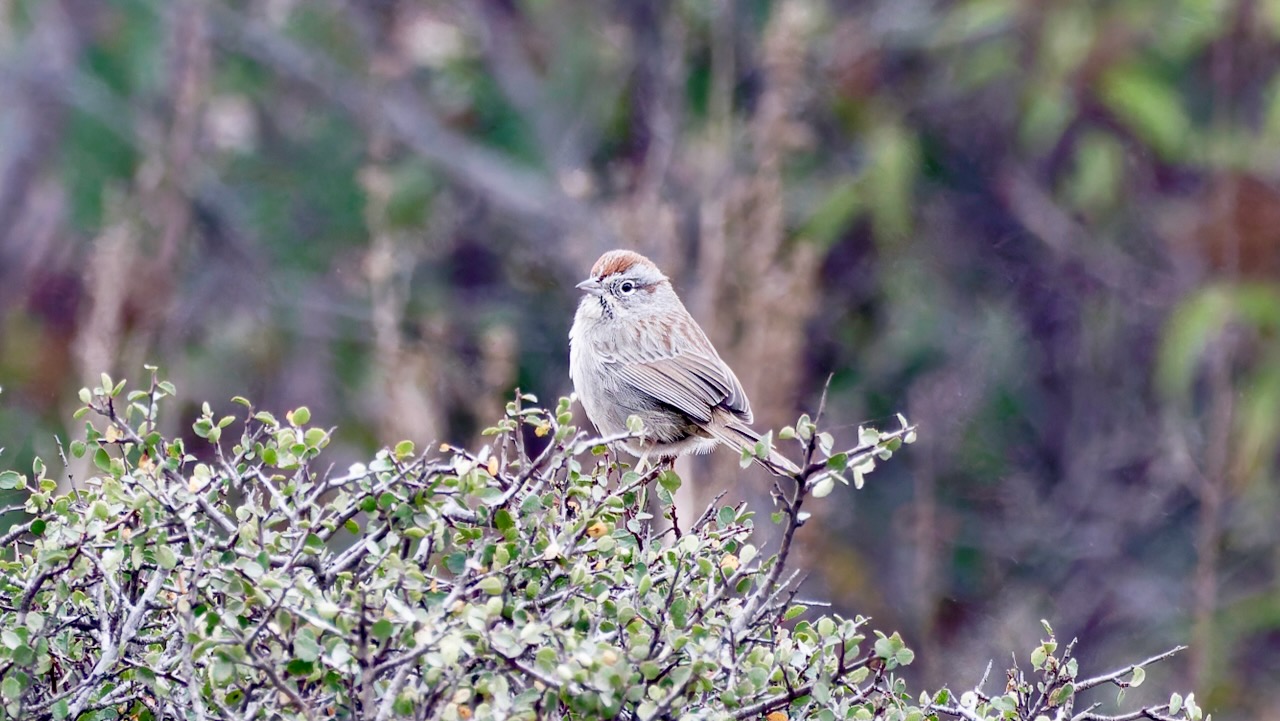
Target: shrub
pixel 514 582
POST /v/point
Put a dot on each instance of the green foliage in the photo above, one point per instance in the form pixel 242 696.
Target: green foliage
pixel 1197 324
pixel 1098 173
pixel 1149 106
pixel 1198 333
pixel 1052 689
pixel 503 583
pixel 252 585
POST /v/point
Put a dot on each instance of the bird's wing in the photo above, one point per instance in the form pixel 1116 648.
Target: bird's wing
pixel 694 382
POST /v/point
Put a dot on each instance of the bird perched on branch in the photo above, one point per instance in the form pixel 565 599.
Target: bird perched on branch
pixel 635 350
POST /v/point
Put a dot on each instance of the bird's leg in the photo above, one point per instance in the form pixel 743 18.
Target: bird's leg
pixel 644 458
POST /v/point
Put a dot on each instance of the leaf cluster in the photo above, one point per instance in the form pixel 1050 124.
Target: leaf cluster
pixel 525 580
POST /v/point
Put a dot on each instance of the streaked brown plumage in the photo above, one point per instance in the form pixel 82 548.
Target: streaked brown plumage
pixel 635 350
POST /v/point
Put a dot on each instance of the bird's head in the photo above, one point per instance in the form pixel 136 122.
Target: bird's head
pixel 626 283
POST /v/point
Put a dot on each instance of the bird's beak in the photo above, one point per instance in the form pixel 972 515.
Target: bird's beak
pixel 592 286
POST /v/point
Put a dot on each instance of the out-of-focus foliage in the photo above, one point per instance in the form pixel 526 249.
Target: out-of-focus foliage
pixel 1050 230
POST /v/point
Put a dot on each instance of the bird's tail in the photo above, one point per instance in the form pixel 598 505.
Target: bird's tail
pixel 737 436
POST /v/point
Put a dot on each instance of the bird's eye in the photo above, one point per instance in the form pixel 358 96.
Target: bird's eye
pixel 627 286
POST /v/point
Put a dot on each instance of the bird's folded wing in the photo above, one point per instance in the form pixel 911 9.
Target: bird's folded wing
pixel 692 383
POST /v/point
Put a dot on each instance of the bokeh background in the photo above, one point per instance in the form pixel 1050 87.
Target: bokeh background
pixel 1048 232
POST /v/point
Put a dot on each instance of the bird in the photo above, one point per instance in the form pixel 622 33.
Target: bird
pixel 634 349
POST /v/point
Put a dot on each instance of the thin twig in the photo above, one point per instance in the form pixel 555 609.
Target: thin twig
pixel 1114 675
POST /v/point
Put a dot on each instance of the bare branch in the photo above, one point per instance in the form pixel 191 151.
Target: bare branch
pixel 1114 675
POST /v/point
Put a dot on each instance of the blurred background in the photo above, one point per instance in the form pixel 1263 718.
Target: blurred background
pixel 1048 232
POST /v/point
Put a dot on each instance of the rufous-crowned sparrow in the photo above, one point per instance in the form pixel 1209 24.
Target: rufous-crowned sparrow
pixel 635 350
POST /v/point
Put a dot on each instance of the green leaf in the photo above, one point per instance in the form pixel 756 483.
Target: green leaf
pixel 904 656
pixel 404 449
pixel 10 480
pixel 102 460
pixel 838 462
pixel 1192 327
pixel 825 627
pixel 165 557
pixel 503 520
pixel 305 645
pixel 456 563
pixel 23 655
pixel 680 612
pixel 203 427
pixel 794 612
pixel 1193 711
pixel 763 445
pixel 1096 180
pixel 726 516
pixel 315 437
pixel 887 647
pixel 669 480
pixel 11 689
pixel 1149 106
pixel 406 703
pixel 824 486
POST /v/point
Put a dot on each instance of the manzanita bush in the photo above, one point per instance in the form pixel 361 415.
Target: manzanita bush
pixel 523 580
